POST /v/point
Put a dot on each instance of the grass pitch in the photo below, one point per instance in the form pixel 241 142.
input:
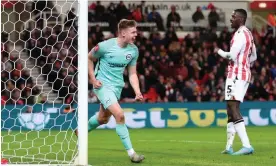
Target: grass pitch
pixel 181 147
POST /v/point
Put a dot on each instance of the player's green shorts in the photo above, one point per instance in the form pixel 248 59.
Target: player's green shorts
pixel 108 95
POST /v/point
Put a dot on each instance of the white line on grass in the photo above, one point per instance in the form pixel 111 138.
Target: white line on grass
pixel 202 142
pixel 35 159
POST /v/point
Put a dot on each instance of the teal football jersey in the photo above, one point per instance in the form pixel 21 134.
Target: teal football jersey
pixel 112 61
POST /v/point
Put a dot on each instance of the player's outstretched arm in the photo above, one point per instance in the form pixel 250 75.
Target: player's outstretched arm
pixel 232 55
pixel 239 42
pixel 134 81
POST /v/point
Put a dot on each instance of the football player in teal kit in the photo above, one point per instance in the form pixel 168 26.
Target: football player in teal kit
pixel 114 55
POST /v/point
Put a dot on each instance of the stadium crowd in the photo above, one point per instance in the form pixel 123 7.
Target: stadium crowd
pixel 55 52
pixel 113 13
pixel 187 70
pixel 17 86
pixel 171 68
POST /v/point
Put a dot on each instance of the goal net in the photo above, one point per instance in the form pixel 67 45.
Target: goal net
pixel 39 81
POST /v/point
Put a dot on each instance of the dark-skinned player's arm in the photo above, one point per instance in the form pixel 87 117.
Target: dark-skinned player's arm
pixel 253 55
pixel 235 49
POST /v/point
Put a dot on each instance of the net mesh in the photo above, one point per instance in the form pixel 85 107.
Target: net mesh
pixel 38 81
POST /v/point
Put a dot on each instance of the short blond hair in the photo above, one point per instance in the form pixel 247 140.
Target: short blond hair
pixel 125 23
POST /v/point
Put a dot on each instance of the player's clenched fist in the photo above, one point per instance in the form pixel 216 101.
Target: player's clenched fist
pixel 216 50
pixel 96 84
pixel 139 97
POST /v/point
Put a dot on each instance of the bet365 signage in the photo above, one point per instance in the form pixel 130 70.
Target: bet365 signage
pixel 162 115
pixel 177 116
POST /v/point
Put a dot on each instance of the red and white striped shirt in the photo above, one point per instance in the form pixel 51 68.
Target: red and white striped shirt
pixel 242 53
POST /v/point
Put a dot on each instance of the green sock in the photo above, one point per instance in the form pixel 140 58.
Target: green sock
pixel 122 131
pixel 93 123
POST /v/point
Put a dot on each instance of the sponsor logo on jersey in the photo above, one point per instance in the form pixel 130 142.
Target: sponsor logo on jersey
pixel 117 64
pixel 128 57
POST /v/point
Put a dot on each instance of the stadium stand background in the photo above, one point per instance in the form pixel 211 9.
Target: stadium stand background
pixel 176 64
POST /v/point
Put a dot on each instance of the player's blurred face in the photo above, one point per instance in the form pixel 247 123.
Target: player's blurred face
pixel 130 34
pixel 235 20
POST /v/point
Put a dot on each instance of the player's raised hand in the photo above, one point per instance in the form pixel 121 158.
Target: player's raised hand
pixel 139 97
pixel 96 84
pixel 216 50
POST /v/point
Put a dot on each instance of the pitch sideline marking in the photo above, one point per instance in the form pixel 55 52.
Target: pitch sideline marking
pixel 35 159
pixel 203 142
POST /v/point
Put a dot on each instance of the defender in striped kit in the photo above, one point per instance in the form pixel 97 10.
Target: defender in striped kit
pixel 241 56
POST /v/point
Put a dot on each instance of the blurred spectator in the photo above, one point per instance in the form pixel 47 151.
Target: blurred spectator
pixel 38 7
pixel 128 94
pixel 70 19
pixel 111 8
pixel 41 98
pixel 173 18
pixel 99 11
pixel 144 8
pixel 188 93
pixel 181 71
pixel 92 6
pixel 15 98
pixel 99 34
pixel 198 15
pixel 171 37
pixel 224 36
pixel 271 19
pixel 210 6
pixel 273 70
pixel 154 16
pixel 160 87
pixel 121 11
pixel 213 18
pixel 151 96
pixel 4 38
pixel 137 14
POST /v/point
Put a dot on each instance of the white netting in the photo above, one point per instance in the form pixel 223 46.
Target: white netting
pixel 38 81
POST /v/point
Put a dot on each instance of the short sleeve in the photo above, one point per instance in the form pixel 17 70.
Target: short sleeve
pixel 239 42
pixel 99 50
pixel 135 58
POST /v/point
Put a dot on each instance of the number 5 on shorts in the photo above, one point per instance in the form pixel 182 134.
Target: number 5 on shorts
pixel 229 89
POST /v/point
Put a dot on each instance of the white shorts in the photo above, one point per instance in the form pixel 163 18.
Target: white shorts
pixel 235 89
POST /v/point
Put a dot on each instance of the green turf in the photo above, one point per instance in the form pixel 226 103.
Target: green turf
pixel 34 147
pixel 183 147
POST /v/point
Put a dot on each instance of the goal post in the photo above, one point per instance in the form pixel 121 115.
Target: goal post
pixel 44 73
pixel 83 82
